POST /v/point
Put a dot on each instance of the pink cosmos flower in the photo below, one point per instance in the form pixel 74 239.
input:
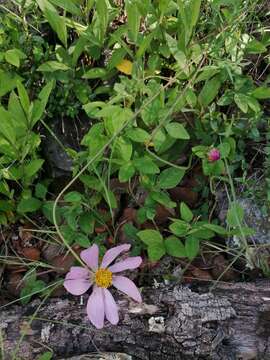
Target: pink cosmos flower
pixel 101 303
pixel 213 155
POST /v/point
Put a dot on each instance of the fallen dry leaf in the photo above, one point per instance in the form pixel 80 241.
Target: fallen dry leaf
pixel 31 253
pixel 125 66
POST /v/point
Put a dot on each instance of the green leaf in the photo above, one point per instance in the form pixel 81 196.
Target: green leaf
pixel 163 199
pixel 261 93
pixel 191 98
pixel 179 227
pixel 28 205
pixel 216 228
pixel 41 191
pixel 170 178
pixel 174 247
pixel 145 44
pixel 146 166
pixel 138 135
pixel 253 104
pixel 155 252
pixel 18 115
pixel 57 22
pixel 213 168
pixel 24 98
pixel 126 172
pixel 33 167
pixel 14 56
pixel 95 73
pixel 70 6
pixel 209 91
pixel 179 55
pixel 103 18
pixel 133 19
pixel 40 104
pixel 51 66
pixel 255 47
pixel 6 127
pixel 192 247
pixel 185 212
pixel 177 131
pixel 150 237
pixel 110 199
pixel 73 196
pixel 82 240
pixel 201 232
pixel 235 215
pixel 195 6
pixel 46 356
pixel 8 81
pixel 47 210
pixel 241 102
pixel 86 223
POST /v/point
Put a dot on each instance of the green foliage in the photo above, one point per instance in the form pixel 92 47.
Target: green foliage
pixel 157 92
pixel 31 287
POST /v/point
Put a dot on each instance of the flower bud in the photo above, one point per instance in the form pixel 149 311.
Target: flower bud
pixel 213 155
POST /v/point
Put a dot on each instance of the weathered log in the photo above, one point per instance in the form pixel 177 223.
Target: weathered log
pixel 231 322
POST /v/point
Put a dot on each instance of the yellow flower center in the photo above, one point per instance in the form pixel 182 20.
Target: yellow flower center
pixel 103 278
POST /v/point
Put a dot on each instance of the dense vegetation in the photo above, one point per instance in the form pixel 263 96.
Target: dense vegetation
pixel 127 121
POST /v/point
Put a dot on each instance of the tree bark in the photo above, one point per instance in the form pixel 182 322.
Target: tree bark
pixel 231 322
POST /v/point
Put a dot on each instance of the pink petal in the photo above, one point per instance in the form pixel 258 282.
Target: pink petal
pixel 127 286
pixel 127 264
pixel 90 257
pixel 111 254
pixel 95 307
pixel 111 309
pixel 77 280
